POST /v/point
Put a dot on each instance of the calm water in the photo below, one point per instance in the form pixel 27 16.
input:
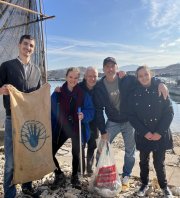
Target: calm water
pixel 175 126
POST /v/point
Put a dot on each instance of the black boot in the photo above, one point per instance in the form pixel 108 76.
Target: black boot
pixel 29 191
pixel 59 181
pixel 167 192
pixel 90 161
pixel 89 170
pixel 75 182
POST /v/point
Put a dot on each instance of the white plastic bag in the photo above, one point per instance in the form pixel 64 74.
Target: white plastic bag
pixel 106 181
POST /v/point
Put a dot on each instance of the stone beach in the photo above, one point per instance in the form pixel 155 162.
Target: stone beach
pixel 64 157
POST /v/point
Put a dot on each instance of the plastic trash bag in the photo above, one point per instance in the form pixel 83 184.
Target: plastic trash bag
pixel 106 181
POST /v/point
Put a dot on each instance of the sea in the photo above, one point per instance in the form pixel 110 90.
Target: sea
pixel 175 125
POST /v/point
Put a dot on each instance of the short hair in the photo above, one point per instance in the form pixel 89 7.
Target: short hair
pixel 76 69
pixel 26 36
pixel 143 67
pixel 91 68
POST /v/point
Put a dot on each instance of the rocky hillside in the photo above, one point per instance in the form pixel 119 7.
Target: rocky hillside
pixel 61 73
pixel 173 70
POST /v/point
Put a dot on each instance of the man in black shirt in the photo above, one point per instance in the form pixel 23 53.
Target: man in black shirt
pixel 26 77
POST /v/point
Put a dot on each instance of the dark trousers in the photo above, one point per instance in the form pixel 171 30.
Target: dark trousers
pixel 91 146
pixel 159 165
pixel 65 134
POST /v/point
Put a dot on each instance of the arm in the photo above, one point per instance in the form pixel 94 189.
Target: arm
pixel 162 88
pixel 55 116
pixel 121 74
pixel 4 90
pixel 166 119
pixel 88 109
pixel 54 105
pixel 3 86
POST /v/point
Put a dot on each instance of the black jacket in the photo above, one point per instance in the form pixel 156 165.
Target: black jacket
pixel 102 102
pixel 12 72
pixel 150 113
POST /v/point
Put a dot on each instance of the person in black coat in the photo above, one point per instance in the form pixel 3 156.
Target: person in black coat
pixel 151 116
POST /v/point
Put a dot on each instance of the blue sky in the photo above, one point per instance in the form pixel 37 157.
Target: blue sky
pixel 85 32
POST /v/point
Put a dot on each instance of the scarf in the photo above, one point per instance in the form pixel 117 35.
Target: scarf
pixel 70 101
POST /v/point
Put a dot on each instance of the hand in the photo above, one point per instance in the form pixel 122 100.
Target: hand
pixel 105 136
pixel 57 89
pixel 4 90
pixel 156 137
pixel 121 74
pixel 163 90
pixel 80 115
pixel 103 140
pixel 148 136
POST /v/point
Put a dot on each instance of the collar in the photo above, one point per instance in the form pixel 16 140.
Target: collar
pixel 29 63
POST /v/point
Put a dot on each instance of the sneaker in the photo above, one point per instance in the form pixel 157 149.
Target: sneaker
pixel 125 183
pixel 75 182
pixel 59 181
pixel 143 190
pixel 31 192
pixel 166 192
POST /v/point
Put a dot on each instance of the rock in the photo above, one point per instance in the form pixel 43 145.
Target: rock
pixel 69 195
pixel 44 184
pixel 43 188
pixel 44 193
pixel 176 191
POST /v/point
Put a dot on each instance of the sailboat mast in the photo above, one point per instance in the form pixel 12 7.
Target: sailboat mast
pixel 44 72
pixel 25 9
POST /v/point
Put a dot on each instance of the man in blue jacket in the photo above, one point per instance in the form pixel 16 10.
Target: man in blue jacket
pixel 88 83
pixel 111 95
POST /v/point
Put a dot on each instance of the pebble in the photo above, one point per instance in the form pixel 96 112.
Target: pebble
pixel 68 192
pixel 176 191
pixel 69 195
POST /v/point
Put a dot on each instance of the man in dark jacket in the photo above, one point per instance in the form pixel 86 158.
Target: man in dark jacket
pixel 25 76
pixel 111 96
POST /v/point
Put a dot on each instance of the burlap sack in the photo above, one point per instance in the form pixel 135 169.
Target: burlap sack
pixel 32 140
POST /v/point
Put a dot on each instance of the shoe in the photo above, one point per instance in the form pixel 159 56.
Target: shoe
pixel 167 192
pixel 75 182
pixel 31 192
pixel 59 181
pixel 89 173
pixel 125 183
pixel 143 190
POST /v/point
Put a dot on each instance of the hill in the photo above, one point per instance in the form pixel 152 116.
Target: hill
pixel 171 70
pixel 61 73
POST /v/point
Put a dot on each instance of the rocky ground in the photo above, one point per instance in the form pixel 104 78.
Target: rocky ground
pixel 44 184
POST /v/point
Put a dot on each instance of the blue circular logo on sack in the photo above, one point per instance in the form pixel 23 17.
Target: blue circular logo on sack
pixel 33 135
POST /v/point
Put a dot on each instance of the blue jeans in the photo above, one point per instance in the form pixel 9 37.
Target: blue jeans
pixel 113 129
pixel 9 188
